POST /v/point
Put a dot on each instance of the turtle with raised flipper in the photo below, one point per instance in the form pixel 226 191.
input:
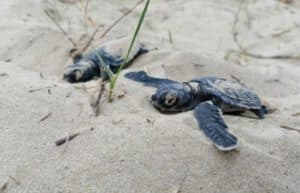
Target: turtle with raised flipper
pixel 87 67
pixel 209 97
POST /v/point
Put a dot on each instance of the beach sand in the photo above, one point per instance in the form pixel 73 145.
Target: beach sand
pixel 133 147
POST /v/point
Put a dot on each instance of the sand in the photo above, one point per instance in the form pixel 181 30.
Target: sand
pixel 134 148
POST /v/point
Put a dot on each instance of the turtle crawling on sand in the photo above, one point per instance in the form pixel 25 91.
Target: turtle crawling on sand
pixel 87 67
pixel 210 97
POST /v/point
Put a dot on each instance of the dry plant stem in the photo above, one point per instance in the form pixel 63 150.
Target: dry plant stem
pixel 262 57
pixel 85 10
pixel 281 33
pixel 234 30
pixel 4 187
pixel 289 128
pixel 170 37
pixel 69 137
pixel 287 1
pixel 120 19
pixel 296 114
pixel 66 146
pixel 45 117
pixel 97 102
pixel 279 57
pixel 38 89
pixel 243 51
pixel 66 139
pixel 92 37
pixel 15 180
pixel 235 78
pixel 84 4
pixel 61 29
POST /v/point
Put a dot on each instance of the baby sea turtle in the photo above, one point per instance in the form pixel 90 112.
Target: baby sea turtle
pixel 210 97
pixel 87 67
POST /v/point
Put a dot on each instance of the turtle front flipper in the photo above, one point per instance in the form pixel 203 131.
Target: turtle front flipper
pixel 143 77
pixel 211 122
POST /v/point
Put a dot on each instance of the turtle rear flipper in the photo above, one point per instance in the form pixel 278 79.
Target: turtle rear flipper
pixel 211 122
pixel 138 50
pixel 143 77
pixel 260 112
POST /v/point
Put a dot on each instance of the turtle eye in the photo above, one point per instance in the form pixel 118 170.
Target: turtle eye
pixel 170 99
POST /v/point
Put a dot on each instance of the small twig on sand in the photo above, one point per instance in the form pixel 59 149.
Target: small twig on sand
pixel 235 22
pixel 45 117
pixel 67 142
pixel 15 180
pixel 289 128
pixel 60 27
pixel 120 18
pixel 243 51
pixel 92 37
pixel 170 37
pixel 296 114
pixel 96 105
pixel 66 139
pixel 149 121
pixel 259 56
pixel 85 10
pixel 235 78
pixel 3 187
pixel 278 57
pixel 287 1
pixel 38 89
pixel 278 34
pixel 3 74
pixel 198 65
pixel 70 137
pixel 41 75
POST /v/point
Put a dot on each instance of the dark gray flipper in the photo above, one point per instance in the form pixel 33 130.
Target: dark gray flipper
pixel 261 112
pixel 211 122
pixel 143 77
pixel 140 52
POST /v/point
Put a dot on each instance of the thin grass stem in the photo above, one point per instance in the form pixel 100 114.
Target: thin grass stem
pixel 115 77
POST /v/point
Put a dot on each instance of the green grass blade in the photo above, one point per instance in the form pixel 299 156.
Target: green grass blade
pixel 104 66
pixel 114 80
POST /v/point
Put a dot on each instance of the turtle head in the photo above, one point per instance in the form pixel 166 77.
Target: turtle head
pixel 80 72
pixel 175 97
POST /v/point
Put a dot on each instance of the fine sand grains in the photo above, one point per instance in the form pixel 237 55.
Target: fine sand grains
pixel 132 147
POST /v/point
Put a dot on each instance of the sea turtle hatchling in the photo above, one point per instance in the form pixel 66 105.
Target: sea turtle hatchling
pixel 87 67
pixel 209 96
